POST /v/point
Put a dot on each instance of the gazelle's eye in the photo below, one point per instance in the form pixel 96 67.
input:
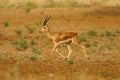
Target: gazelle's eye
pixel 44 27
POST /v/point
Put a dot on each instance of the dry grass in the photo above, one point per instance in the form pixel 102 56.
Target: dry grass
pixel 59 3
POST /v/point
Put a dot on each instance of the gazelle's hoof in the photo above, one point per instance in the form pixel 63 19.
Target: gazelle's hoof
pixel 66 58
pixel 88 58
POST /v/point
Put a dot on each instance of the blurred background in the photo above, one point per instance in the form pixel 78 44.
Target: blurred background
pixel 58 3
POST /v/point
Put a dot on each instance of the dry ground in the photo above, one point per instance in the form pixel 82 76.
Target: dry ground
pixel 17 65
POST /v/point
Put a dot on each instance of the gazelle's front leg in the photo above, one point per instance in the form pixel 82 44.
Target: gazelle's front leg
pixel 60 54
pixel 54 48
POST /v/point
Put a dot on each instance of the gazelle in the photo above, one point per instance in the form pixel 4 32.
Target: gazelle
pixel 58 38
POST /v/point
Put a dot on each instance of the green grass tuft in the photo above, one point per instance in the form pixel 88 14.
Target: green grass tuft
pixel 70 61
pixel 95 44
pixel 18 31
pixel 33 58
pixel 32 42
pixel 30 29
pixel 82 39
pixel 92 33
pixel 28 10
pixel 1 56
pixel 21 45
pixel 101 48
pixel 87 45
pixel 5 23
pixel 30 4
pixel 1 34
pixel 108 33
pixel 36 50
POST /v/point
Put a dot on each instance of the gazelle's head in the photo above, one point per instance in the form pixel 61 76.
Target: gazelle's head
pixel 45 27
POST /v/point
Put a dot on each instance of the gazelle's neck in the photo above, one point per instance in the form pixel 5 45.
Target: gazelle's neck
pixel 49 34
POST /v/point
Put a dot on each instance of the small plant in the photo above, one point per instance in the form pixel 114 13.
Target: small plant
pixel 21 45
pixel 108 33
pixel 48 3
pixel 1 56
pixel 28 10
pixel 72 3
pixel 30 4
pixel 5 23
pixel 36 37
pixel 105 74
pixel 101 48
pixel 108 46
pixel 92 33
pixel 30 29
pixel 92 51
pixel 39 23
pixel 102 34
pixel 36 50
pixel 1 34
pixel 95 44
pixel 32 42
pixel 70 61
pixel 117 31
pixel 111 38
pixel 18 31
pixel 33 58
pixel 117 46
pixel 87 45
pixel 82 39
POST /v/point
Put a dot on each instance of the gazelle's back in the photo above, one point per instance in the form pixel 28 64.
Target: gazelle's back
pixel 65 36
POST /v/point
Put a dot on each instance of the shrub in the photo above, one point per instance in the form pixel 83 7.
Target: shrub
pixel 95 44
pixel 87 45
pixel 18 31
pixel 1 34
pixel 108 46
pixel 28 10
pixel 30 4
pixel 30 29
pixel 108 33
pixel 33 58
pixel 105 74
pixel 92 33
pixel 48 3
pixel 72 3
pixel 36 50
pixel 32 42
pixel 102 34
pixel 117 31
pixel 101 48
pixel 37 37
pixel 82 39
pixel 1 56
pixel 70 61
pixel 21 45
pixel 5 23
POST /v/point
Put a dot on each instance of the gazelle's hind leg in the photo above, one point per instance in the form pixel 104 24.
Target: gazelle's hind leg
pixel 75 41
pixel 69 50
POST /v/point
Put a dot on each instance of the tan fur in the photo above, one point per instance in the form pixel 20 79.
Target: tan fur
pixel 65 37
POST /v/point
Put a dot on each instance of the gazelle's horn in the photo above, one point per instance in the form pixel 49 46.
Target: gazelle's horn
pixel 46 20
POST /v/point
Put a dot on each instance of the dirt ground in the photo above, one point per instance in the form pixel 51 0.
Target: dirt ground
pixel 16 65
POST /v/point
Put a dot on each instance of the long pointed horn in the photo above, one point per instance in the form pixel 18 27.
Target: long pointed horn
pixel 46 20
